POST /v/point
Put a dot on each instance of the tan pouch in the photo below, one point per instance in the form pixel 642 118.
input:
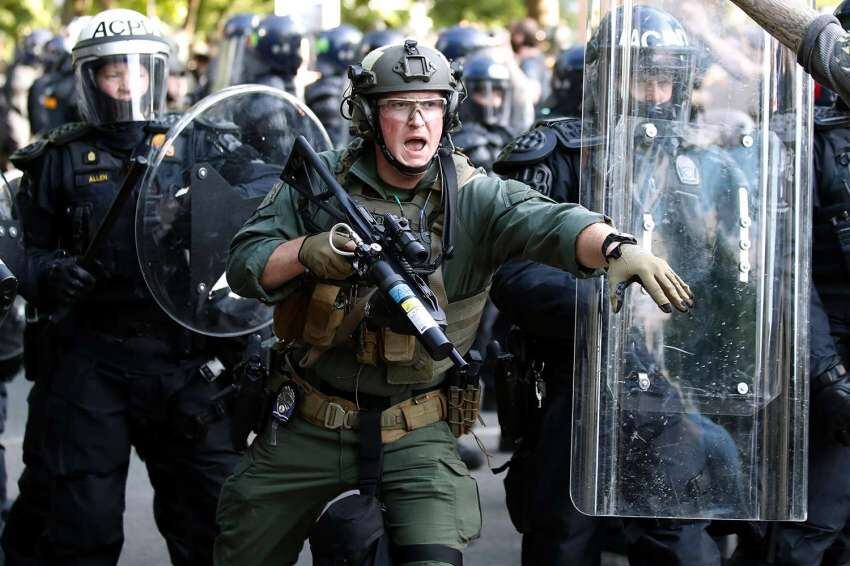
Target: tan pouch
pixel 368 351
pixel 397 348
pixel 324 315
pixel 290 315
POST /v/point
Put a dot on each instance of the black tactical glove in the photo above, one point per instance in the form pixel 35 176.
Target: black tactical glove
pixel 831 405
pixel 67 282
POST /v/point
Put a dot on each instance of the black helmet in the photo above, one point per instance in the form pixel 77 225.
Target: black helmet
pixel 488 87
pixel 378 38
pixel 336 49
pixel 659 45
pixel 400 68
pixel 277 43
pixel 459 41
pixel 230 67
pixel 567 81
pixel 842 12
pixel 240 25
pixel 32 47
pixel 121 47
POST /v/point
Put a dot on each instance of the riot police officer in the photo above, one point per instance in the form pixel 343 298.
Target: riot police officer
pixel 549 158
pixel 277 53
pixel 53 97
pixel 808 543
pixel 567 79
pixel 122 373
pixel 231 65
pixel 337 49
pixel 485 114
pixel 402 114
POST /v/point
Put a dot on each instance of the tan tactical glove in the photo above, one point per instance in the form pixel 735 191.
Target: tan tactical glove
pixel 317 255
pixel 633 264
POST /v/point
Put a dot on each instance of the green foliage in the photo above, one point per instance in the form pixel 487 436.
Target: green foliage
pixel 486 12
pixel 18 18
pixel 362 15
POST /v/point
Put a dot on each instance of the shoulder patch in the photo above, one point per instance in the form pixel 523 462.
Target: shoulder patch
pixel 271 195
pixel 531 147
pixel 68 132
pixel 28 153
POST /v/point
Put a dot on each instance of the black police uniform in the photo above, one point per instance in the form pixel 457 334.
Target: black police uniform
pixel 554 531
pixel 482 143
pixel 809 542
pixel 52 99
pixel 121 374
pixel 324 98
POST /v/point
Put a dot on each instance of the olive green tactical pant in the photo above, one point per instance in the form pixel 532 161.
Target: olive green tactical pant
pixel 275 494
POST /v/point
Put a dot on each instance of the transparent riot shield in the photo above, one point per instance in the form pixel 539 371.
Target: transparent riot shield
pixel 698 146
pixel 207 175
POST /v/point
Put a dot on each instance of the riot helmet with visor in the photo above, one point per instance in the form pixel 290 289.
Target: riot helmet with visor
pixel 488 88
pixel 662 60
pixel 121 62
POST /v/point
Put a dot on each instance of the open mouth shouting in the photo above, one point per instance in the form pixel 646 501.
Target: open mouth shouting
pixel 415 144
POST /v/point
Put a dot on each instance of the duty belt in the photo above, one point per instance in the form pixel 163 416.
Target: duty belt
pixel 336 413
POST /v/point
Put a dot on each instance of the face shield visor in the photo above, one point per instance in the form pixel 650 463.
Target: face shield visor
pixel 123 88
pixel 488 102
pixel 660 85
pixel 231 63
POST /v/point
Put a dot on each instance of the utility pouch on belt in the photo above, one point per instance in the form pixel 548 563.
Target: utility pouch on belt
pixel 464 396
pixel 397 348
pixel 290 314
pixel 367 352
pixel 324 314
pixel 507 392
pixel 38 338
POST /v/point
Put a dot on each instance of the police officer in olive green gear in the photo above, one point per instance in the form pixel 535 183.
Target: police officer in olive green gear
pixel 403 104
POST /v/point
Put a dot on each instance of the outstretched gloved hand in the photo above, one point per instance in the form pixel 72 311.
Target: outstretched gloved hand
pixel 323 261
pixel 633 264
pixel 67 282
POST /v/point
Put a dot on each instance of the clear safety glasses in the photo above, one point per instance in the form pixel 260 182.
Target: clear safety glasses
pixel 403 108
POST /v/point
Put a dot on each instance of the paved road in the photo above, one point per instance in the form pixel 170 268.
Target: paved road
pixel 499 544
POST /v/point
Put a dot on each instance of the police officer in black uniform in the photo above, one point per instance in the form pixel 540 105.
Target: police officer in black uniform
pixel 485 113
pixel 537 368
pixel 825 530
pixel 276 53
pixel 230 64
pixel 53 97
pixel 336 49
pixel 121 373
pixel 567 77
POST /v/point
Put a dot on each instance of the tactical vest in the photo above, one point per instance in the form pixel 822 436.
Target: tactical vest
pixel 336 316
pixel 831 226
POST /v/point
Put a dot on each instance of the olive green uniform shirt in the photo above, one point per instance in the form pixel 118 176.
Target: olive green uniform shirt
pixel 497 220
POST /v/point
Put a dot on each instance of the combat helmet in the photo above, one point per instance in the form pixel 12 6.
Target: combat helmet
pixel 400 68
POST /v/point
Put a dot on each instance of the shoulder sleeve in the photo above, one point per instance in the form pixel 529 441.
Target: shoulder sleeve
pixel 274 222
pixel 509 220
